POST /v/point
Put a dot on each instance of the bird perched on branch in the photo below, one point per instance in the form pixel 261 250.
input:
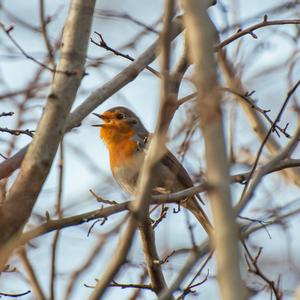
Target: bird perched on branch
pixel 126 140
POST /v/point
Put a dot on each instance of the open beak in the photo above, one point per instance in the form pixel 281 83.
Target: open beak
pixel 102 117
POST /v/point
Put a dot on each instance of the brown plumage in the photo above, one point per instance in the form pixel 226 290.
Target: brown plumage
pixel 126 137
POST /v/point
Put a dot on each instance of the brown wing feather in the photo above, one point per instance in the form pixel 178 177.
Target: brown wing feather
pixel 184 178
pixel 171 162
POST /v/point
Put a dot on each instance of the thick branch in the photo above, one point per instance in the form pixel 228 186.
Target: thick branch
pixel 98 96
pixel 140 206
pixel 147 233
pixel 201 36
pixel 51 225
pixel 36 165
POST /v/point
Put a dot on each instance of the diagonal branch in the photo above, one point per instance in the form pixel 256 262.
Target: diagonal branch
pixel 140 205
pixel 98 96
pixel 250 30
pixel 37 290
pixel 254 117
pixel 36 165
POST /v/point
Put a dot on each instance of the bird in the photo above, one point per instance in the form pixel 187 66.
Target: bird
pixel 126 139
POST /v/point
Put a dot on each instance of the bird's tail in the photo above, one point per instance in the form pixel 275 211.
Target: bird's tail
pixel 193 206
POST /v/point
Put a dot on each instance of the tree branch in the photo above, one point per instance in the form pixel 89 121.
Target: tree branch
pixel 36 165
pixel 201 36
pixel 98 96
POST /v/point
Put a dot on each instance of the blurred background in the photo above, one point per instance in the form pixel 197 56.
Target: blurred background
pixel 267 65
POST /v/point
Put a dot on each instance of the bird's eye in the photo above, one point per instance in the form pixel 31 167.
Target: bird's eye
pixel 121 116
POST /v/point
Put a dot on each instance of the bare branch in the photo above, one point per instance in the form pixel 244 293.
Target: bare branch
pixel 15 295
pixel 19 203
pixel 37 290
pixel 201 35
pixel 250 30
pixel 104 45
pixel 254 268
pixel 256 121
pixel 98 96
pixel 8 30
pixel 4 114
pixel 17 132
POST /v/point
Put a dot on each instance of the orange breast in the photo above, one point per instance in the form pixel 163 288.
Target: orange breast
pixel 118 140
pixel 121 153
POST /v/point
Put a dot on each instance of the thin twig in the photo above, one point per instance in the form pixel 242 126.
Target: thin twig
pixel 263 112
pixel 254 268
pixel 15 295
pixel 250 30
pixel 6 114
pixel 17 132
pixel 101 200
pixel 8 30
pixel 102 240
pixel 126 16
pixel 131 285
pixel 191 285
pixel 44 24
pixel 277 119
pixel 51 225
pixel 60 216
pixel 103 44
pixel 34 282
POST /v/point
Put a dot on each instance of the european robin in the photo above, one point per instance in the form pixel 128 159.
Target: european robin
pixel 126 140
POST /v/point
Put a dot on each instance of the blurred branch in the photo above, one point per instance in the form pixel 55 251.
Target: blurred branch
pixel 14 295
pixel 125 16
pixel 51 225
pixel 256 179
pixel 264 112
pixel 285 7
pixel 45 33
pixel 255 118
pixel 25 90
pixel 140 206
pixel 6 114
pixel 201 36
pixel 254 268
pixel 8 30
pixel 98 96
pixel 13 163
pixel 250 30
pixel 17 132
pixel 59 213
pixel 20 200
pixel 102 241
pixel 136 294
pixel 158 282
pixel 191 284
pixel 33 280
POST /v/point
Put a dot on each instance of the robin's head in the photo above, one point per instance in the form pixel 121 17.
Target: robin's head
pixel 119 123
